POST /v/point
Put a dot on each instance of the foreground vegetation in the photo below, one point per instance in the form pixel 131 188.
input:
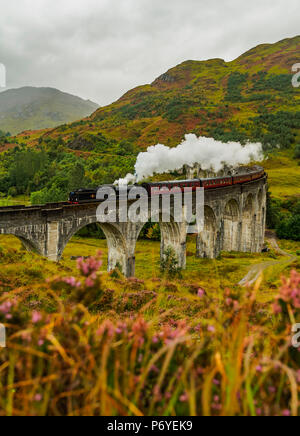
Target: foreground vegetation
pixel 85 342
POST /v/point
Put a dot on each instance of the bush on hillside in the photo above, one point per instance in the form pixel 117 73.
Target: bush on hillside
pixel 297 151
pixel 289 228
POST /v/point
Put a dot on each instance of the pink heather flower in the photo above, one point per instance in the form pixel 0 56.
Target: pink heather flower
pixel 184 398
pixel 216 382
pixel 139 329
pixel 89 282
pixel 286 412
pixel 290 290
pixel 90 265
pixel 216 406
pixel 38 398
pixel 277 309
pixel 272 389
pixel 201 293
pixel 211 329
pixel 178 330
pixel 216 399
pixel 106 327
pixel 5 307
pixel 72 282
pixel 155 339
pixel 236 305
pixel 259 368
pixel 156 391
pixel 36 317
pixel 41 342
pixel 228 301
pixel 154 369
pixel 259 412
pixel 8 316
pixel 26 336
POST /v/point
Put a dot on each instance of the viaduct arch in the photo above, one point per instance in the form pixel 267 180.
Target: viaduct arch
pixel 234 220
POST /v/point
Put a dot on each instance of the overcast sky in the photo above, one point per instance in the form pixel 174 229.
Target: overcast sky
pixel 99 49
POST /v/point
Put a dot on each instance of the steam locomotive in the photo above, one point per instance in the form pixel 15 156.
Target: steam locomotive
pixel 158 188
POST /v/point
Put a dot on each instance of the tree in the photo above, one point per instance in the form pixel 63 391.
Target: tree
pixel 169 263
pixel 77 174
pixel 290 228
pixel 273 211
pixel 12 192
pixel 297 151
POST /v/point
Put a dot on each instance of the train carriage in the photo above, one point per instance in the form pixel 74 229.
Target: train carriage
pixel 161 188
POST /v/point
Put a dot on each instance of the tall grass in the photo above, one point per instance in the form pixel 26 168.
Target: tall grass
pixel 72 351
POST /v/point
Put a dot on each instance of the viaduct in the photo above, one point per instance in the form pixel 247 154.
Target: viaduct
pixel 234 221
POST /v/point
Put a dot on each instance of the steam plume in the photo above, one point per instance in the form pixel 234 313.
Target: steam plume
pixel 210 154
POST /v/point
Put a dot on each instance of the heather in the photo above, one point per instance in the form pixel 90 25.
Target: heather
pixel 85 342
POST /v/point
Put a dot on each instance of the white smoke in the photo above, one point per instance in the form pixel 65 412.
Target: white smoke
pixel 210 154
pixel 130 179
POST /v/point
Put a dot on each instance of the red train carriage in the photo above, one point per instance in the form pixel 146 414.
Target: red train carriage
pixel 241 179
pixel 161 188
pixel 258 174
pixel 218 182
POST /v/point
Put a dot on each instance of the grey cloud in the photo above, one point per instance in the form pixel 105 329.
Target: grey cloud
pixel 99 49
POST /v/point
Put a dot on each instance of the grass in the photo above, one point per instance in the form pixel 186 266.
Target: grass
pixel 98 344
pixel 212 275
pixel 284 175
pixel 15 201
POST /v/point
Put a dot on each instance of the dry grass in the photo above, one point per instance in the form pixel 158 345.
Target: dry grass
pixel 151 346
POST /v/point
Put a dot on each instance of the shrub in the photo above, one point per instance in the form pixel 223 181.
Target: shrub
pixel 169 263
pixel 297 152
pixel 289 229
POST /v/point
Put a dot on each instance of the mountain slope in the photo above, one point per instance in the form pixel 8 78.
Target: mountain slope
pixel 31 108
pixel 248 98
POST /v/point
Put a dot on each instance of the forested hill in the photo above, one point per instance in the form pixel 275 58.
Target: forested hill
pixel 226 100
pixel 30 108
pixel 250 98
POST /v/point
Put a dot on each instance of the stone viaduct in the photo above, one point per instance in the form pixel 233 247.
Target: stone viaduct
pixel 234 221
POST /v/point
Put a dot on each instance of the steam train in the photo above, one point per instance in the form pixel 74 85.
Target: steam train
pixel 158 188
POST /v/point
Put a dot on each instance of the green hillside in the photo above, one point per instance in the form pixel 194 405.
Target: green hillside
pixel 31 108
pixel 250 98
